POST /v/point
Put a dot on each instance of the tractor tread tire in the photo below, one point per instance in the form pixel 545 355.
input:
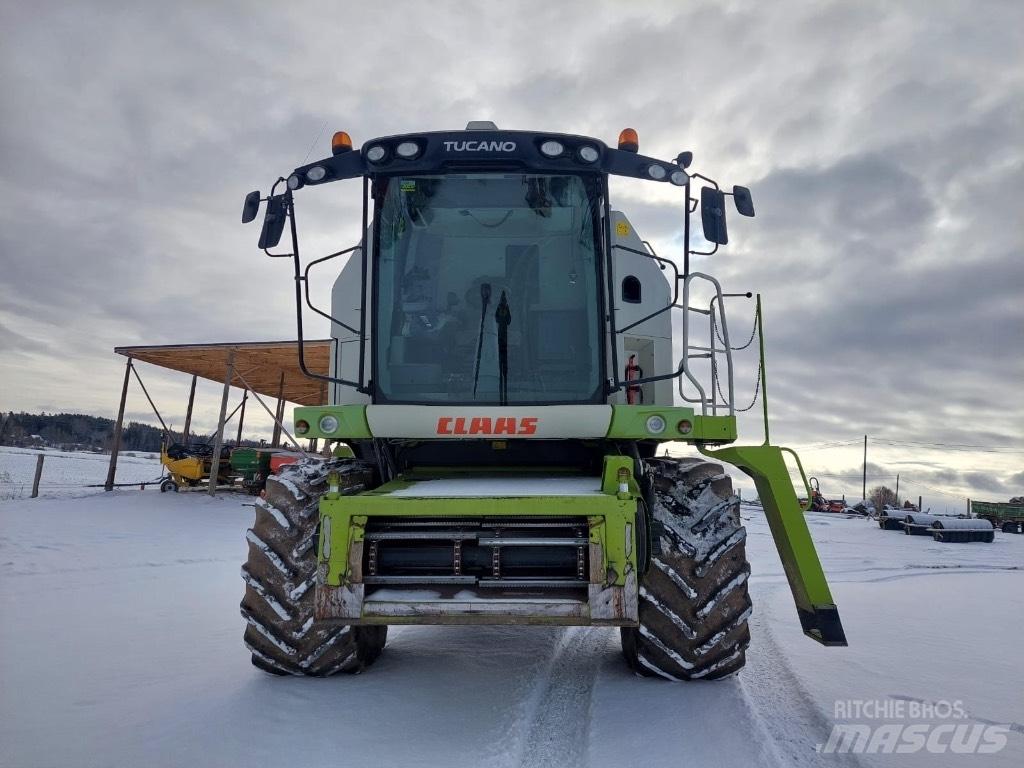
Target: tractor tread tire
pixel 693 601
pixel 280 577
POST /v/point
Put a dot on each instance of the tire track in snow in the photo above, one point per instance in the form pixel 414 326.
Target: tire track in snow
pixel 785 714
pixel 556 729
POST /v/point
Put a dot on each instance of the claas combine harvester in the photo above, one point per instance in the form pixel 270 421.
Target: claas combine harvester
pixel 505 367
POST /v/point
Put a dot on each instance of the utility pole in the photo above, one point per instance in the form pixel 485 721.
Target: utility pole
pixel 864 484
pixel 897 489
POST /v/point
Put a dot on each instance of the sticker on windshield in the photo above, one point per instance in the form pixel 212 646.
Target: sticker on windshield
pixel 622 229
pixel 408 186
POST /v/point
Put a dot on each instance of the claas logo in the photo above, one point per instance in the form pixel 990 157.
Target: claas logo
pixel 485 425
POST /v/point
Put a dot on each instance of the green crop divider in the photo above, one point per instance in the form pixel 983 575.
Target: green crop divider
pixel 766 466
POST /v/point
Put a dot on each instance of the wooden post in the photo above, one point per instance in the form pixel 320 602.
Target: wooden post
pixel 241 417
pixel 116 445
pixel 278 414
pixel 919 504
pixel 39 474
pixel 218 442
pixel 188 411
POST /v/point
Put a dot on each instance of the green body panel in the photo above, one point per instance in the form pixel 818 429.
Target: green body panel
pixel 351 419
pixel 629 422
pixel 997 510
pixel 767 467
pixel 249 461
pixel 612 517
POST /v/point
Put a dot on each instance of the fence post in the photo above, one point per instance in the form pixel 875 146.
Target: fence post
pixel 39 474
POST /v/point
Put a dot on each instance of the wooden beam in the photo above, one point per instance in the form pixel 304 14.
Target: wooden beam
pixel 115 447
pixel 278 414
pixel 219 440
pixel 188 411
pixel 241 417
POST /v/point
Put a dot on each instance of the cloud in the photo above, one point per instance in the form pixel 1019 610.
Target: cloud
pixel 882 147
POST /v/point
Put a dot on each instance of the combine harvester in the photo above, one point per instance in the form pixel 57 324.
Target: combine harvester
pixel 504 373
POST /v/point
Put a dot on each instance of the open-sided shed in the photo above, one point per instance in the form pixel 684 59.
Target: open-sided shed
pixel 267 368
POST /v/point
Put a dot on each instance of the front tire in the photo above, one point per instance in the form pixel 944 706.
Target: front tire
pixel 694 604
pixel 280 577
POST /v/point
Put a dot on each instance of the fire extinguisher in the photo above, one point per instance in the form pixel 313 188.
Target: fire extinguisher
pixel 634 394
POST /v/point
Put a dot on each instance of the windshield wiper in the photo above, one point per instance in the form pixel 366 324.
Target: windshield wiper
pixel 503 317
pixel 485 300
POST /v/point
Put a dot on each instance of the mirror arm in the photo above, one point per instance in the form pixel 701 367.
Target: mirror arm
pixel 705 253
pixel 710 181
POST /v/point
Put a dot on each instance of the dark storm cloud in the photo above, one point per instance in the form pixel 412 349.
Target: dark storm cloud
pixel 882 145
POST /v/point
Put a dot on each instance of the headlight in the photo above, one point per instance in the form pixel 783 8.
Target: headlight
pixel 552 148
pixel 588 154
pixel 656 172
pixel 679 178
pixel 655 424
pixel 301 427
pixel 376 153
pixel 329 424
pixel 294 181
pixel 685 427
pixel 316 173
pixel 407 149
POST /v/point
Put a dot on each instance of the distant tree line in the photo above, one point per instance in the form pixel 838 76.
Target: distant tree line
pixel 78 431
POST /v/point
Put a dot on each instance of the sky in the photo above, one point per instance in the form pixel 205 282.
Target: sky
pixel 882 143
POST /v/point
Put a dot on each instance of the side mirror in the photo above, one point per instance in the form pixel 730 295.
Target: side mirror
pixel 712 215
pixel 744 203
pixel 683 159
pixel 273 222
pixel 251 206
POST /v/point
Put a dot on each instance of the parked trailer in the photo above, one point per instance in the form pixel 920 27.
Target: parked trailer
pixel 891 519
pixel 1009 518
pixel 958 529
pixel 919 524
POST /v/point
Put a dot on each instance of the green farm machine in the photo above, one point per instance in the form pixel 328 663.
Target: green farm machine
pixel 504 369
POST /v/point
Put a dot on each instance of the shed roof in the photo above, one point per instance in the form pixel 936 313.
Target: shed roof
pixel 260 363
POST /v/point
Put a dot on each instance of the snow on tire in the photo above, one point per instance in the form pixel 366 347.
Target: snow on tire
pixel 280 577
pixel 693 598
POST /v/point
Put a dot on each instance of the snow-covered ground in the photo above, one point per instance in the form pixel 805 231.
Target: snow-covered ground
pixel 120 644
pixel 70 473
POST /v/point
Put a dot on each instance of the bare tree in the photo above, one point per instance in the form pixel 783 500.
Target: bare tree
pixel 881 495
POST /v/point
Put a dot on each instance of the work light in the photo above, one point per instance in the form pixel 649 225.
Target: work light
pixel 376 153
pixel 655 424
pixel 552 148
pixel 679 178
pixel 407 149
pixel 316 173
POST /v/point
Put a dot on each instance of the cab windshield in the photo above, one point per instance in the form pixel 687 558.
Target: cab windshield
pixel 487 289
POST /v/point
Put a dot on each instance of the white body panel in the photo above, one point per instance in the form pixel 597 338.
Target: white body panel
pixel 651 341
pixel 443 422
pixel 345 351
pixel 500 487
